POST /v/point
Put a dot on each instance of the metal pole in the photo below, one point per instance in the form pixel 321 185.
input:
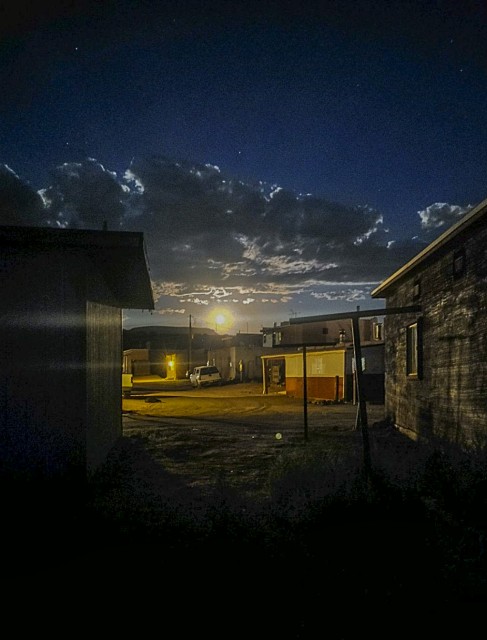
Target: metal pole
pixel 362 408
pixel 305 395
pixel 264 376
pixel 190 340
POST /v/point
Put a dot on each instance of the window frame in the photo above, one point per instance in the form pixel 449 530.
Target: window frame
pixel 378 331
pixel 459 263
pixel 417 289
pixel 414 350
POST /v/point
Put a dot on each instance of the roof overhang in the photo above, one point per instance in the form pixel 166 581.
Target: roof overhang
pixel 120 256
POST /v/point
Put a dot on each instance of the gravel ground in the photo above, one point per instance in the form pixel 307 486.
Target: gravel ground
pixel 199 439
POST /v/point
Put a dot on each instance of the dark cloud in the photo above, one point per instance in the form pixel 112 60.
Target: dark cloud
pixel 19 203
pixel 85 195
pixel 221 227
pixel 213 238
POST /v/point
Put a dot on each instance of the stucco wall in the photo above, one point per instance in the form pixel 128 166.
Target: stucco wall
pixel 324 375
pixel 450 399
pixel 227 360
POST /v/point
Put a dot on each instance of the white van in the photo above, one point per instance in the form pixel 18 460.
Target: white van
pixel 206 375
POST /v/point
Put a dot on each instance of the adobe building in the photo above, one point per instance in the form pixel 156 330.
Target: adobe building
pixel 327 333
pixel 170 352
pixel 239 357
pixel 330 363
pixel 330 373
pixel 62 292
pixel 166 351
pixel 436 358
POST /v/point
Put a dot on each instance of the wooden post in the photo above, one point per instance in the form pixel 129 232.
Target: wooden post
pixel 362 408
pixel 305 395
pixel 337 388
pixel 190 346
pixel 264 377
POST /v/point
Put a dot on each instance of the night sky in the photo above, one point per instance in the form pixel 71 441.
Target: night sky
pixel 281 158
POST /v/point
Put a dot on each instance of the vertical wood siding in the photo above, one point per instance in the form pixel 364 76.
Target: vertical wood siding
pixel 42 378
pixel 450 399
pixel 103 384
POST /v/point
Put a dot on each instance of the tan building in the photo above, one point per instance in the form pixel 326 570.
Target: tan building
pixel 329 373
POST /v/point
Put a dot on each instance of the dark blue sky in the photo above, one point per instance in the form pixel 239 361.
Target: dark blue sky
pixel 376 109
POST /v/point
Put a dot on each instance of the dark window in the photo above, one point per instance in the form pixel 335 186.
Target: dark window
pixel 208 370
pixel 458 263
pixel 416 289
pixel 325 331
pixel 414 350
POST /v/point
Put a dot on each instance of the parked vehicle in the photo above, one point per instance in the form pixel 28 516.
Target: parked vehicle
pixel 203 376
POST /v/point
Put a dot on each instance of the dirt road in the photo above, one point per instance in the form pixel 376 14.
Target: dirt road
pixel 232 435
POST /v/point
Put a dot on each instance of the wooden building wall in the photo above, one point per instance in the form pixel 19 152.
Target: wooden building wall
pixel 103 380
pixel 449 399
pixel 42 350
pixel 60 364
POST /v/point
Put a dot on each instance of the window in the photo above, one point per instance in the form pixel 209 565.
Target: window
pixel 416 290
pixel 414 350
pixel 458 263
pixel 378 334
pixel 325 331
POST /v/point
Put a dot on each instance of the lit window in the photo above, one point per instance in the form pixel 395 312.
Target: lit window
pixel 413 350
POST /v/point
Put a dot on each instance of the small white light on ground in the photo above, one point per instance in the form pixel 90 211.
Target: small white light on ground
pixel 278 436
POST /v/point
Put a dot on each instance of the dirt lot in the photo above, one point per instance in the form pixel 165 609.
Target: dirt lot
pixel 234 435
pixel 215 513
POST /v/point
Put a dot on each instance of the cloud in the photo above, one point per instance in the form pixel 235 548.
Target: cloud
pixel 213 238
pixel 85 195
pixel 441 214
pixel 349 295
pixel 169 311
pixel 19 203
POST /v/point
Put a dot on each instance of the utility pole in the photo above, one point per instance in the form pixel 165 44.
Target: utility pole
pixel 305 395
pixel 190 340
pixel 361 420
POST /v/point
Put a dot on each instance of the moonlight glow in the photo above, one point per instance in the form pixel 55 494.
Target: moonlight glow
pixel 221 320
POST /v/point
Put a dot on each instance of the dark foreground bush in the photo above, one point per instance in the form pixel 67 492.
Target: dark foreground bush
pixel 414 526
